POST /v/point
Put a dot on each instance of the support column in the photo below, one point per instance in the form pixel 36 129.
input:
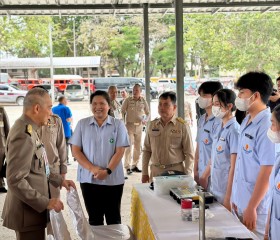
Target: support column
pixel 147 53
pixel 180 72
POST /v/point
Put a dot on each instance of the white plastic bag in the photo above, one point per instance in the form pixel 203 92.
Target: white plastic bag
pixel 59 227
pixel 80 223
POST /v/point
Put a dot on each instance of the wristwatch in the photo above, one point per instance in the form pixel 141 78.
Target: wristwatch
pixel 109 171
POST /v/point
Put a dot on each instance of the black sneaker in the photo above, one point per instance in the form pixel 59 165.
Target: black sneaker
pixel 3 190
pixel 128 171
pixel 136 169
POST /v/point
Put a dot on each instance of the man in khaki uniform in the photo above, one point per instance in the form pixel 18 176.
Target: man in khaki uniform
pixel 53 138
pixel 115 106
pixel 27 202
pixel 136 112
pixel 4 129
pixel 168 143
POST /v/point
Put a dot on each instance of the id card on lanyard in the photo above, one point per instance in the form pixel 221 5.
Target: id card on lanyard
pixel 47 166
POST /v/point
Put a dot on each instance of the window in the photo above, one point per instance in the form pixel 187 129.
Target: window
pixel 4 88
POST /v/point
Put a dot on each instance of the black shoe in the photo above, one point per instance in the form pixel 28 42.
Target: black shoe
pixel 3 190
pixel 128 171
pixel 136 169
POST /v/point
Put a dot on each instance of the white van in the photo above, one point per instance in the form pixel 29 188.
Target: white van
pixel 75 92
pixel 165 85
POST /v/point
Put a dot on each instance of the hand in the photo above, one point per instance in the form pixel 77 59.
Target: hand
pixel 55 204
pixel 203 182
pixel 94 170
pixel 145 178
pixel 196 176
pixel 250 218
pixel 265 236
pixel 101 174
pixel 227 204
pixel 67 184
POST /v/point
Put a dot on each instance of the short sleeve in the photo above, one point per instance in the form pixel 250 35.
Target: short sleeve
pixel 76 138
pixel 122 136
pixel 68 112
pixel 265 148
pixel 233 141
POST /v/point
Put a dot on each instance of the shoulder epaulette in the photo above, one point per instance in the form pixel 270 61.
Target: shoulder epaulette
pixel 181 120
pixel 28 129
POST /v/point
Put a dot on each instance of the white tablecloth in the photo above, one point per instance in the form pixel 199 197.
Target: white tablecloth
pixel 165 220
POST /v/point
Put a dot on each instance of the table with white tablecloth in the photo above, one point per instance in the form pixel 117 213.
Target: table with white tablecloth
pixel 158 217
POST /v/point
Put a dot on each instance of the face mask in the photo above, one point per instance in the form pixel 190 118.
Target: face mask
pixel 204 102
pixel 273 136
pixel 217 112
pixel 243 104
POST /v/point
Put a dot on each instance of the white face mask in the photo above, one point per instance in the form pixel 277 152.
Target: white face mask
pixel 243 104
pixel 204 102
pixel 217 112
pixel 273 136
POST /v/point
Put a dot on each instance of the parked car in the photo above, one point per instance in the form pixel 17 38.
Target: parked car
pixel 120 82
pixel 153 92
pixel 165 85
pixel 48 88
pixel 75 92
pixel 11 94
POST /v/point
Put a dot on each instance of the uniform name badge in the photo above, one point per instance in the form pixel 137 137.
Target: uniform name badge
pixel 117 114
pixel 1 124
pixel 47 166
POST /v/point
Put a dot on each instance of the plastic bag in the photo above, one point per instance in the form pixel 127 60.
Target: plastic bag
pixel 59 227
pixel 81 225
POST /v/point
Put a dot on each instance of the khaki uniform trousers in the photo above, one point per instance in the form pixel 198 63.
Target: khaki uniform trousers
pixel 157 171
pixel 38 235
pixel 135 136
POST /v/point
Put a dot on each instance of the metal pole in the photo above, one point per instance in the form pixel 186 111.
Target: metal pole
pixel 179 57
pixel 147 54
pixel 88 83
pixel 51 62
pixel 74 35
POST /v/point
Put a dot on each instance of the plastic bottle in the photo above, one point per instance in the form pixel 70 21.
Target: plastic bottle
pixel 186 209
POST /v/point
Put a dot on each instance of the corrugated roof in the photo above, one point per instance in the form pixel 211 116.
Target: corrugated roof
pixel 128 7
pixel 58 62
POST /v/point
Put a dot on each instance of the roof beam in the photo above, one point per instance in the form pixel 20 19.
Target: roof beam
pixel 266 10
pixel 137 6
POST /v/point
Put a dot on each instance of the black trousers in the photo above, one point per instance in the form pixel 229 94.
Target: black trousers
pixel 102 200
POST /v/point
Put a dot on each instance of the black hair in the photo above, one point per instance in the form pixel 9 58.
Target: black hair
pixel 277 79
pixel 100 93
pixel 39 86
pixel 276 113
pixel 61 98
pixel 226 96
pixel 256 82
pixel 210 87
pixel 240 115
pixel 171 95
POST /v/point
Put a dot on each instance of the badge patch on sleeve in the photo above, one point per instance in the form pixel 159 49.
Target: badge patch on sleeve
pixel 111 140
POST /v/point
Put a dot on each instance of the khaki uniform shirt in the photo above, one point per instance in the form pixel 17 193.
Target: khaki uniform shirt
pixel 134 110
pixel 115 109
pixel 4 130
pixel 54 142
pixel 169 144
pixel 25 207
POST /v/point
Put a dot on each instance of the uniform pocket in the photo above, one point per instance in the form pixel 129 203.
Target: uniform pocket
pixel 176 140
pixel 33 218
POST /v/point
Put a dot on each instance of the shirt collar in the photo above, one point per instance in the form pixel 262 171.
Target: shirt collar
pixel 230 122
pixel 28 120
pixel 108 120
pixel 172 120
pixel 259 116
